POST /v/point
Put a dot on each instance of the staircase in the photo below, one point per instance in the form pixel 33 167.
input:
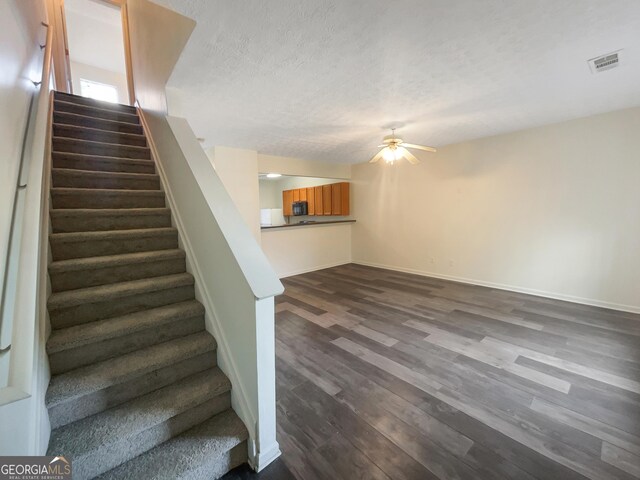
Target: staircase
pixel 135 391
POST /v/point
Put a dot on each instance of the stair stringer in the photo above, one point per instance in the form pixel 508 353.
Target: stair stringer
pixel 240 400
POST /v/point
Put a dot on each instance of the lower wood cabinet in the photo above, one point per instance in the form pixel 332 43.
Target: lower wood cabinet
pixel 323 200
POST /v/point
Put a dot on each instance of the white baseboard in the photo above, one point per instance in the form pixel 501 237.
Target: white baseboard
pixel 510 288
pixel 313 269
pixel 264 459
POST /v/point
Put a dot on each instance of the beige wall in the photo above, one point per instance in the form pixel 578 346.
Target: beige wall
pixel 303 168
pixel 294 250
pixel 20 63
pixel 89 72
pixel 238 170
pixel 552 210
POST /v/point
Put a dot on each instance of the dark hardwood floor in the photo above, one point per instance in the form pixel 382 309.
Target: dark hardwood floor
pixel 385 375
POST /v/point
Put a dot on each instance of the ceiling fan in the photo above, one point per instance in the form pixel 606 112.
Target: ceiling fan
pixel 394 148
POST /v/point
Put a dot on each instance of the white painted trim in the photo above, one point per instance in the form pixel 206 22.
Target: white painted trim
pixel 314 269
pixel 264 459
pixel 240 400
pixel 510 288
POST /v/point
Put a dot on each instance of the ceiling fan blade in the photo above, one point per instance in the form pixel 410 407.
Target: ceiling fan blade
pixel 410 156
pixel 419 147
pixel 377 157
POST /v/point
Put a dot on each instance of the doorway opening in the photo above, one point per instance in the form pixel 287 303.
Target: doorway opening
pixel 96 50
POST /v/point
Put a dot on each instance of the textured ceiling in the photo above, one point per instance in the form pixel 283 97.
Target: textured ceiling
pixel 321 79
pixel 94 31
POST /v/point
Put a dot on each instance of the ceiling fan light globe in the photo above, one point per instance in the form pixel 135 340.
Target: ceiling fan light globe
pixel 389 155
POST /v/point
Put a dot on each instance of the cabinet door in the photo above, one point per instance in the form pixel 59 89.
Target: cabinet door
pixel 318 200
pixel 287 200
pixel 303 194
pixel 311 201
pixel 345 187
pixel 326 199
pixel 296 195
pixel 336 199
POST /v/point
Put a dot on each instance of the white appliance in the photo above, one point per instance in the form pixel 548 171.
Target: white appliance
pixel 271 217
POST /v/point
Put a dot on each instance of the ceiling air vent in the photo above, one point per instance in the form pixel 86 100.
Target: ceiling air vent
pixel 605 62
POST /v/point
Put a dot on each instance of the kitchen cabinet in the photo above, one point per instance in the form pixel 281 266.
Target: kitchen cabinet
pixel 340 198
pixel 318 200
pixel 311 200
pixel 323 200
pixel 326 199
pixel 287 202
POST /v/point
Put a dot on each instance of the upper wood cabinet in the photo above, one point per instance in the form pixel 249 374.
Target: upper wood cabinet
pixel 311 201
pixel 331 199
pixel 340 198
pixel 318 200
pixel 326 199
pixel 287 203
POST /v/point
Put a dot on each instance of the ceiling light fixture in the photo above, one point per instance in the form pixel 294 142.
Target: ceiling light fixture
pixel 394 148
pixel 273 175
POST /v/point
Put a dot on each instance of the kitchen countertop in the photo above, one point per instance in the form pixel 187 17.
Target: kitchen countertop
pixel 305 224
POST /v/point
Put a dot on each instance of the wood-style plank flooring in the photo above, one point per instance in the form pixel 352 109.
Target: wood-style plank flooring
pixel 386 375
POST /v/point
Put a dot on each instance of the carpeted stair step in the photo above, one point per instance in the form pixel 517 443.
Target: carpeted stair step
pixel 88 147
pixel 91 102
pixel 88 220
pixel 75 307
pixel 103 164
pixel 92 271
pixel 65 246
pixel 205 452
pixel 106 198
pixel 96 112
pixel 93 388
pixel 71 178
pixel 97 135
pixel 66 118
pixel 81 345
pixel 104 441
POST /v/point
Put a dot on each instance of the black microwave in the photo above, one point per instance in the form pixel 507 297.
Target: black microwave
pixel 300 208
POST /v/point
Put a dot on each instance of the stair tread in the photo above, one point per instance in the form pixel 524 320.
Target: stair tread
pixel 111 234
pixel 79 335
pixel 93 173
pixel 60 101
pixel 80 117
pixel 108 144
pixel 71 298
pixel 92 378
pixel 82 100
pixel 137 136
pixel 136 161
pixel 107 212
pixel 124 421
pixel 190 450
pixel 78 264
pixel 106 191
